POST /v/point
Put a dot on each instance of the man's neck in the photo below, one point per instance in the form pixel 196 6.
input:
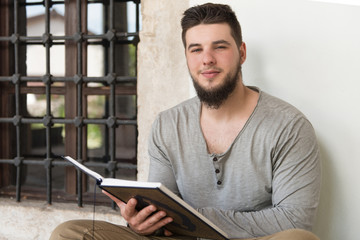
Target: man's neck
pixel 238 104
pixel 221 126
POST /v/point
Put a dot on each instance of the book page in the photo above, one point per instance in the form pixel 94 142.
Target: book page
pixel 85 169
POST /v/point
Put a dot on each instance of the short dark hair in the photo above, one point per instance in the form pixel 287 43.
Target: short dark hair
pixel 211 13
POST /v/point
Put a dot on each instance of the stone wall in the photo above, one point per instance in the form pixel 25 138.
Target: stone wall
pixel 163 75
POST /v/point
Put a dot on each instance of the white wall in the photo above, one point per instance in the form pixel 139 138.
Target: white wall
pixel 308 54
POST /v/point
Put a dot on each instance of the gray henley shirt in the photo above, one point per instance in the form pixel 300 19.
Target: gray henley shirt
pixel 267 181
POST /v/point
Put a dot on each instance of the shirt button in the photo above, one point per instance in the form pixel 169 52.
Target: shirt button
pixel 217 170
pixel 219 182
pixel 215 159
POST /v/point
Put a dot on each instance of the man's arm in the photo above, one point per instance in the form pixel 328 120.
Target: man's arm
pixel 295 200
pixel 295 188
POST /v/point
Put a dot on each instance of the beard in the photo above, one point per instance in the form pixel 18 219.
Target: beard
pixel 214 97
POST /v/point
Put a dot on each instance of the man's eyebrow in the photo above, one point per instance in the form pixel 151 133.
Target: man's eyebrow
pixel 194 45
pixel 221 42
pixel 214 43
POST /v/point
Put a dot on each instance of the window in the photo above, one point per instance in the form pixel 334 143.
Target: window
pixel 67 87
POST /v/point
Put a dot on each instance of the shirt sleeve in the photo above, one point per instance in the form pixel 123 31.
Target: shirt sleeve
pixel 160 166
pixel 295 189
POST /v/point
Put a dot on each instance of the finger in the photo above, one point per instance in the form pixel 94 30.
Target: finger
pixel 148 227
pixel 109 195
pixel 153 221
pixel 142 215
pixel 116 200
pixel 167 233
pixel 130 209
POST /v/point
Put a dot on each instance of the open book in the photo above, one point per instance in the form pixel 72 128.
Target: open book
pixel 186 220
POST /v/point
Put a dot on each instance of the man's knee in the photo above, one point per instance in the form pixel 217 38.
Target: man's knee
pixel 88 229
pixel 294 234
pixel 72 229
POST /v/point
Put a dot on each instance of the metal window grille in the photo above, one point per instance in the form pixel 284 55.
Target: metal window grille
pixel 115 85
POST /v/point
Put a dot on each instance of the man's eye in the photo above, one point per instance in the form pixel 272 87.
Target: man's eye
pixel 220 47
pixel 196 50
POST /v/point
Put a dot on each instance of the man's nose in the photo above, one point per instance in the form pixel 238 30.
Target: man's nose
pixel 208 58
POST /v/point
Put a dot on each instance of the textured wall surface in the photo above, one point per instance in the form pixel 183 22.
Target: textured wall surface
pixel 163 77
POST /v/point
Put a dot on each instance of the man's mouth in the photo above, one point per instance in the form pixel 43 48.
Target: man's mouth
pixel 211 73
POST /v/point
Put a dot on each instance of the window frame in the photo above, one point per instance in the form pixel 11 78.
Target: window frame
pixel 13 85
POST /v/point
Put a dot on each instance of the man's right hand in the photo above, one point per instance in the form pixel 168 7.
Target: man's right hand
pixel 144 222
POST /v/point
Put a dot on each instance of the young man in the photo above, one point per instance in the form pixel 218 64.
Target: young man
pixel 244 159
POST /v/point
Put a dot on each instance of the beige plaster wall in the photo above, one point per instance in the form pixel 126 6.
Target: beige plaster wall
pixel 163 75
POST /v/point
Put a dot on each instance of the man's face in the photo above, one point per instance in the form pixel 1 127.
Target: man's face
pixel 214 61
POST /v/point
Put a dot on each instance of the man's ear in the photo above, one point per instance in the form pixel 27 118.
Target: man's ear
pixel 242 51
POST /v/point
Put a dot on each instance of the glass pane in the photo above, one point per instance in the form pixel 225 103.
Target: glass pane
pixel 35 146
pixel 132 60
pixel 126 107
pixel 95 137
pixel 35 60
pixel 57 60
pixel 126 143
pixel 58 177
pixel 32 13
pixel 96 106
pixel 35 176
pixel 95 19
pixel 36 18
pixel 95 61
pixel 131 16
pixel 36 105
pixel 57 20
